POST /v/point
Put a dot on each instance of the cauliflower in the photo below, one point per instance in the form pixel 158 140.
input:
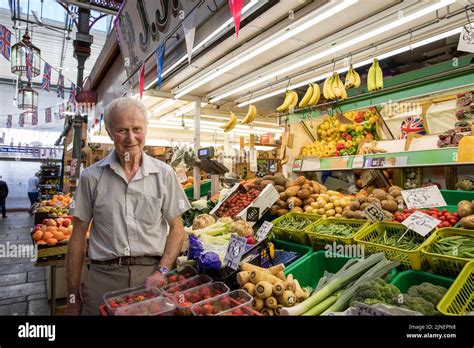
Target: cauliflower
pixel 376 291
pixel 242 228
pixel 202 221
pixel 429 292
pixel 418 304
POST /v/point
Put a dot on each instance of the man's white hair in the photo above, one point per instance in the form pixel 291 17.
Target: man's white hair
pixel 119 104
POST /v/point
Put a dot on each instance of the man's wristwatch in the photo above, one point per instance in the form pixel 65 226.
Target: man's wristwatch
pixel 163 270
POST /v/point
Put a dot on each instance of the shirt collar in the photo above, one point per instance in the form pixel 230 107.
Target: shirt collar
pixel 148 165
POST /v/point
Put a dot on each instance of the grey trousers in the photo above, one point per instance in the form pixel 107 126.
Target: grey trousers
pixel 103 278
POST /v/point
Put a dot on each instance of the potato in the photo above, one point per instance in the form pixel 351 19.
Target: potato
pixel 370 189
pixel 362 200
pixel 308 209
pixel 258 181
pixel 348 214
pixel 314 196
pixel 294 202
pixel 373 200
pixel 338 216
pixel 337 203
pixel 329 206
pixel 311 191
pixel 267 182
pixel 279 188
pixel 330 212
pixel 298 181
pixel 344 203
pixel 315 205
pixel 468 222
pixel 388 214
pixel 354 205
pixel 279 179
pixel 296 210
pixel 464 208
pixel 389 205
pixel 321 201
pixel 283 196
pixel 282 204
pixel 308 201
pixel 306 186
pixel 303 194
pixel 287 183
pixel 332 199
pixel 274 209
pixel 321 211
pixel 338 210
pixel 358 214
pixel 316 189
pixel 390 197
pixel 292 191
pixel 364 206
pixel 282 212
pixel 325 197
pixel 268 177
pixel 380 195
pixel 395 191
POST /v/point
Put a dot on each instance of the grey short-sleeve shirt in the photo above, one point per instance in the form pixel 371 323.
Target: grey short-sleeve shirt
pixel 129 218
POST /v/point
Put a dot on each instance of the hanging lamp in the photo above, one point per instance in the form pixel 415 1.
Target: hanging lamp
pixel 27 98
pixel 19 54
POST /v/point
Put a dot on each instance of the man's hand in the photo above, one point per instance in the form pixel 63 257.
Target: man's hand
pixel 74 305
pixel 156 280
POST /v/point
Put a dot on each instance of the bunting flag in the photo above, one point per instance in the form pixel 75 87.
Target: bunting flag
pixel 236 9
pixel 61 111
pixel 189 28
pixel 9 121
pixel 141 74
pixel 61 86
pixel 100 122
pixel 72 95
pixel 29 64
pixel 160 58
pixel 46 77
pixel 5 42
pixel 47 115
pixel 34 118
pixel 21 120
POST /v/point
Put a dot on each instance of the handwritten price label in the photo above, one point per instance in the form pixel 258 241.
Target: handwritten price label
pixel 421 223
pixel 263 231
pixel 235 250
pixel 424 197
pixel 374 213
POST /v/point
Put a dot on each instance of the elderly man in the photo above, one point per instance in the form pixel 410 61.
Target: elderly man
pixel 132 200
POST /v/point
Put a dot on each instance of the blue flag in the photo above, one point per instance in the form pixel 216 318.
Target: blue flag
pixel 160 58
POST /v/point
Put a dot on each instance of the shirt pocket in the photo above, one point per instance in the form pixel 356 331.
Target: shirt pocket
pixel 148 209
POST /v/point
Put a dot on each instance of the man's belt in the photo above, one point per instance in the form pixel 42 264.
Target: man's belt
pixel 129 261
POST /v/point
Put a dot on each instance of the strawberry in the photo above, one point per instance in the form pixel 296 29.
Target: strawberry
pixel 225 302
pixel 173 278
pixel 208 308
pixel 237 311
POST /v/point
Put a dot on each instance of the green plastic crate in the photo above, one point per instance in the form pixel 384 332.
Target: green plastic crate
pixel 296 236
pixel 406 279
pixel 319 240
pixel 453 197
pixel 205 187
pixel 304 250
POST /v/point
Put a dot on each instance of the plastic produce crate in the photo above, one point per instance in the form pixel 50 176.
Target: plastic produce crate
pixel 459 300
pixel 290 253
pixel 185 299
pixel 319 240
pixel 294 235
pixel 182 273
pixel 409 259
pixel 170 290
pixel 453 197
pixel 232 303
pixel 444 264
pixel 125 297
pixel 205 188
pixel 406 279
pixel 158 306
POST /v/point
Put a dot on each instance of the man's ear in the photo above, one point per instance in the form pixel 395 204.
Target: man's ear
pixel 108 133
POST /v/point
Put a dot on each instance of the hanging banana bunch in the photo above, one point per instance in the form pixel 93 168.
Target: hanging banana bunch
pixel 251 114
pixel 291 99
pixel 334 89
pixel 352 79
pixel 311 97
pixel 375 77
pixel 227 127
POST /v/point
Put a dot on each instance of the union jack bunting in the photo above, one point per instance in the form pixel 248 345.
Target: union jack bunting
pixel 72 95
pixel 21 121
pixel 47 115
pixel 29 64
pixel 412 125
pixel 34 119
pixel 5 42
pixel 46 77
pixel 61 86
pixel 9 121
pixel 61 111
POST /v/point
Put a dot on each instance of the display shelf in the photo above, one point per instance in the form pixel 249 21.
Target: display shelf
pixel 425 158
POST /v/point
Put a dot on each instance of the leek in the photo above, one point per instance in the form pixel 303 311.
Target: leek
pixel 213 230
pixel 322 306
pixel 335 284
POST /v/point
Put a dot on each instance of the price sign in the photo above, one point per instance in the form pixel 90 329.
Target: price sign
pixel 375 162
pixel 421 223
pixel 466 39
pixel 262 232
pixel 358 162
pixel 310 164
pixel 297 165
pixel 424 197
pixel 374 213
pixel 363 309
pixel 235 250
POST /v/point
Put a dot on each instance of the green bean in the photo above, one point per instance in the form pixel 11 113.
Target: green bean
pixel 458 246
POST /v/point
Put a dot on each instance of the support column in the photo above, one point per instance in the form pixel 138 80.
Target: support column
pixel 197 145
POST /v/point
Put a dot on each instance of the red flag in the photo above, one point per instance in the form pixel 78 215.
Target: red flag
pixel 236 10
pixel 47 115
pixel 34 118
pixel 9 121
pixel 21 120
pixel 141 72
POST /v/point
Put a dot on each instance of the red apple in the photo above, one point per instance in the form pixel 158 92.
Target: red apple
pixel 66 222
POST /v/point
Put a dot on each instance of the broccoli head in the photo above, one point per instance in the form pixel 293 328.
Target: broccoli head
pixel 418 304
pixel 376 291
pixel 429 292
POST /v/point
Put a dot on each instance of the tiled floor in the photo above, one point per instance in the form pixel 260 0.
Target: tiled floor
pixel 22 285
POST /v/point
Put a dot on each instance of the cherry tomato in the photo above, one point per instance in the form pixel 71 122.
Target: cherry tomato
pixel 442 218
pixel 453 222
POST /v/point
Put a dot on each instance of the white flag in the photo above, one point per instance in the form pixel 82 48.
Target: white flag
pixel 189 27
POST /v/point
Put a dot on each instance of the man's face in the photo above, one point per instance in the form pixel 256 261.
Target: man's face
pixel 128 131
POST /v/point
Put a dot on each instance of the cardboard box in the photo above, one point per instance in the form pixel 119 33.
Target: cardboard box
pixel 257 208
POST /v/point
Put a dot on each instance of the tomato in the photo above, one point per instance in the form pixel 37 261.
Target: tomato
pixel 453 222
pixel 456 215
pixel 442 218
pixel 444 211
pixel 444 224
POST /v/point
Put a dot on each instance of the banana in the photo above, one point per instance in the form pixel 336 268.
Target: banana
pixel 378 75
pixel 231 124
pixel 251 114
pixel 336 86
pixel 350 79
pixel 344 93
pixel 316 94
pixel 371 78
pixel 357 79
pixel 328 85
pixel 295 99
pixel 286 103
pixel 307 96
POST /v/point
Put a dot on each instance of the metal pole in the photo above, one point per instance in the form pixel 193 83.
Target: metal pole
pixel 197 145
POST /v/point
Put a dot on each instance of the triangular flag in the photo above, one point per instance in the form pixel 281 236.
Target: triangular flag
pixel 34 118
pixel 61 86
pixel 189 28
pixel 46 77
pixel 47 115
pixel 160 58
pixel 21 120
pixel 236 9
pixel 141 74
pixel 9 121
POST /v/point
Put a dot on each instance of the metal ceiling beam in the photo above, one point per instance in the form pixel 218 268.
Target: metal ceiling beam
pixel 106 10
